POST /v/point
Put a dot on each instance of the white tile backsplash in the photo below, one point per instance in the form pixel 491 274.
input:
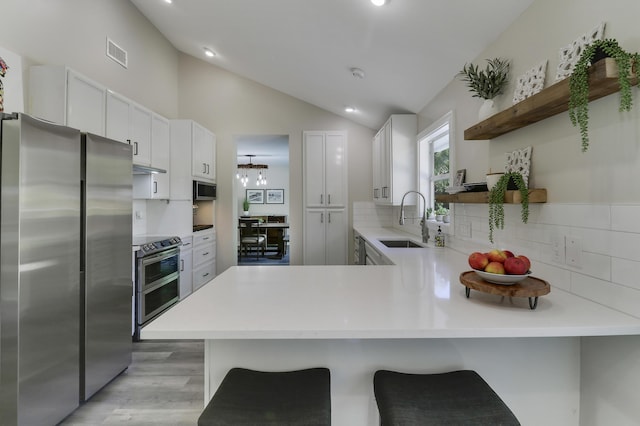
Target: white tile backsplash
pixel 609 234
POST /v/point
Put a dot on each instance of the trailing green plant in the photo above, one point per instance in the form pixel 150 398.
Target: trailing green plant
pixel 579 83
pixel 496 201
pixel 487 83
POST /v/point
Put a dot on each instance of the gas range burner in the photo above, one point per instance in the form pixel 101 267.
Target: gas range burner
pixel 197 228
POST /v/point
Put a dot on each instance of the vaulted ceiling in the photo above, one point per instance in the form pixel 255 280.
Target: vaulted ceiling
pixel 408 49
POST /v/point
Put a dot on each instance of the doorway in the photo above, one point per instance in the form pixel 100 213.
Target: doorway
pixel 262 187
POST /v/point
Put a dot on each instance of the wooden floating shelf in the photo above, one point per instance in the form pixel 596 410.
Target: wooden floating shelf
pixel 603 81
pixel 538 195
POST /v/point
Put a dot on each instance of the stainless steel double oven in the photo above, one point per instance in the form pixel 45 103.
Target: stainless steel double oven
pixel 157 278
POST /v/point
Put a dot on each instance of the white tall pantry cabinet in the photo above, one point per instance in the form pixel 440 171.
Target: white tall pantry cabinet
pixel 325 198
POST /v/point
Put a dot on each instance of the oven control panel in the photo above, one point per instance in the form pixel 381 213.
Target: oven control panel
pixel 154 246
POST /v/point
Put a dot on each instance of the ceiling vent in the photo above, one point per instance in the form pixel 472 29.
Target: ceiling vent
pixel 116 53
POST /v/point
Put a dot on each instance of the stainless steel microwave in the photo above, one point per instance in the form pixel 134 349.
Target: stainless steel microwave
pixel 203 191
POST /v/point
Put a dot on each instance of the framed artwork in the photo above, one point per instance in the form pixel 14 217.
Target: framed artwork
pixel 460 175
pixel 275 196
pixel 255 196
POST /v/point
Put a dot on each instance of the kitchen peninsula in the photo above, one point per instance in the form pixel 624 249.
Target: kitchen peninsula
pixel 412 316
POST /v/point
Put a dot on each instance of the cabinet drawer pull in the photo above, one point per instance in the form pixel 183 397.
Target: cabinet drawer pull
pixel 205 253
pixel 329 214
pixel 155 187
pixel 204 167
pixel 321 217
pixel 329 199
pixel 135 148
pixel 205 275
pixel 181 265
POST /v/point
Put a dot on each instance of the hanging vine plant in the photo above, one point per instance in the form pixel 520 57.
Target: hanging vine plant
pixel 496 201
pixel 579 82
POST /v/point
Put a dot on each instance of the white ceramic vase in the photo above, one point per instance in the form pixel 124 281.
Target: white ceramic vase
pixel 487 109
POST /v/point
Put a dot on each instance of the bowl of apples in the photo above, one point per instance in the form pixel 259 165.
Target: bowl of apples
pixel 500 266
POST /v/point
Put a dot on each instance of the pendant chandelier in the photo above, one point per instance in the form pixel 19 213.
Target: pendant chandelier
pixel 243 172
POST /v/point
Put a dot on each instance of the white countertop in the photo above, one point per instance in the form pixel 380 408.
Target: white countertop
pixel 418 297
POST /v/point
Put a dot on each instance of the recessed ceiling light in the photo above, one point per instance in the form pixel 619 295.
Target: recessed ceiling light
pixel 209 52
pixel 168 1
pixel 350 109
pixel 379 2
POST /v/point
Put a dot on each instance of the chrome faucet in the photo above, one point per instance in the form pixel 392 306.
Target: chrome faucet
pixel 423 221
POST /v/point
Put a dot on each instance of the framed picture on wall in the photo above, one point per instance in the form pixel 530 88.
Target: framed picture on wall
pixel 255 196
pixel 275 196
pixel 460 175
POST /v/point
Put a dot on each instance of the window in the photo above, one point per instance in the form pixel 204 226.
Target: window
pixel 434 159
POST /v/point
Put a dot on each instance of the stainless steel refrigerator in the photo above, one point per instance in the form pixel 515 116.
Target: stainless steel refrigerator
pixel 65 278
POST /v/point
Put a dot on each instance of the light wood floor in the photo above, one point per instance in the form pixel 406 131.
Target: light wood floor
pixel 164 385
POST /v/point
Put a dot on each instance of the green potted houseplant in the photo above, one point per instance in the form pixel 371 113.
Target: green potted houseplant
pixel 579 82
pixel 429 214
pixel 440 212
pixel 245 207
pixel 496 201
pixel 487 83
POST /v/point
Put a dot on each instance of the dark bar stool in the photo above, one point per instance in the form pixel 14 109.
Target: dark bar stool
pixel 453 398
pixel 248 397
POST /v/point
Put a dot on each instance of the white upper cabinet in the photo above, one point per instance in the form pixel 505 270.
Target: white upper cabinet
pixel 130 123
pixel 325 169
pixel 193 149
pixel 203 161
pixel 156 185
pixel 64 96
pixel 394 159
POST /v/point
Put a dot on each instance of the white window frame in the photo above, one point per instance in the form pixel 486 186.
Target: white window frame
pixel 425 140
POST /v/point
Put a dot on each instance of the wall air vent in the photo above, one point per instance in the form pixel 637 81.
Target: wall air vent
pixel 116 53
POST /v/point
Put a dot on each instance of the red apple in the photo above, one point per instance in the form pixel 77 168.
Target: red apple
pixel 526 260
pixel 515 266
pixel 508 253
pixel 496 255
pixel 495 268
pixel 478 260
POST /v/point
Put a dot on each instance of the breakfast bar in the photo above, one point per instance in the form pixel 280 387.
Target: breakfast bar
pixel 412 316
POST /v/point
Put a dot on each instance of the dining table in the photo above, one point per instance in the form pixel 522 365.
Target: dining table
pixel 280 227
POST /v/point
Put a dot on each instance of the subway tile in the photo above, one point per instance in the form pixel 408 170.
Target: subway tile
pixel 625 245
pixel 615 296
pixel 577 215
pixel 625 218
pixel 625 272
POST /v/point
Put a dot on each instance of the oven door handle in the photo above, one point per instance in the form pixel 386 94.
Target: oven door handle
pixel 159 283
pixel 153 258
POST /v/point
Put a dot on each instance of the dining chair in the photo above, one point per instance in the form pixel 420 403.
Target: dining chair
pixel 250 236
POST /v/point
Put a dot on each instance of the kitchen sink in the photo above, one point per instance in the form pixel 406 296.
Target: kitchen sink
pixel 400 244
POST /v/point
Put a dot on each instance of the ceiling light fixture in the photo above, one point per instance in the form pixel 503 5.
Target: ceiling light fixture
pixel 379 2
pixel 243 176
pixel 168 1
pixel 209 52
pixel 350 109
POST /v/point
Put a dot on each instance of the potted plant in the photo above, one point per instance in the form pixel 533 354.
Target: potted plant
pixel 487 83
pixel 496 201
pixel 440 212
pixel 579 82
pixel 245 207
pixel 429 213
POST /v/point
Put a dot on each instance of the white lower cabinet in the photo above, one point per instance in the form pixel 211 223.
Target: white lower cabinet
pixel 325 237
pixel 204 258
pixel 186 266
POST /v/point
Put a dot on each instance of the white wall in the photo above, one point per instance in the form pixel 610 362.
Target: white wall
pixel 592 196
pixel 74 33
pixel 277 178
pixel 231 105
